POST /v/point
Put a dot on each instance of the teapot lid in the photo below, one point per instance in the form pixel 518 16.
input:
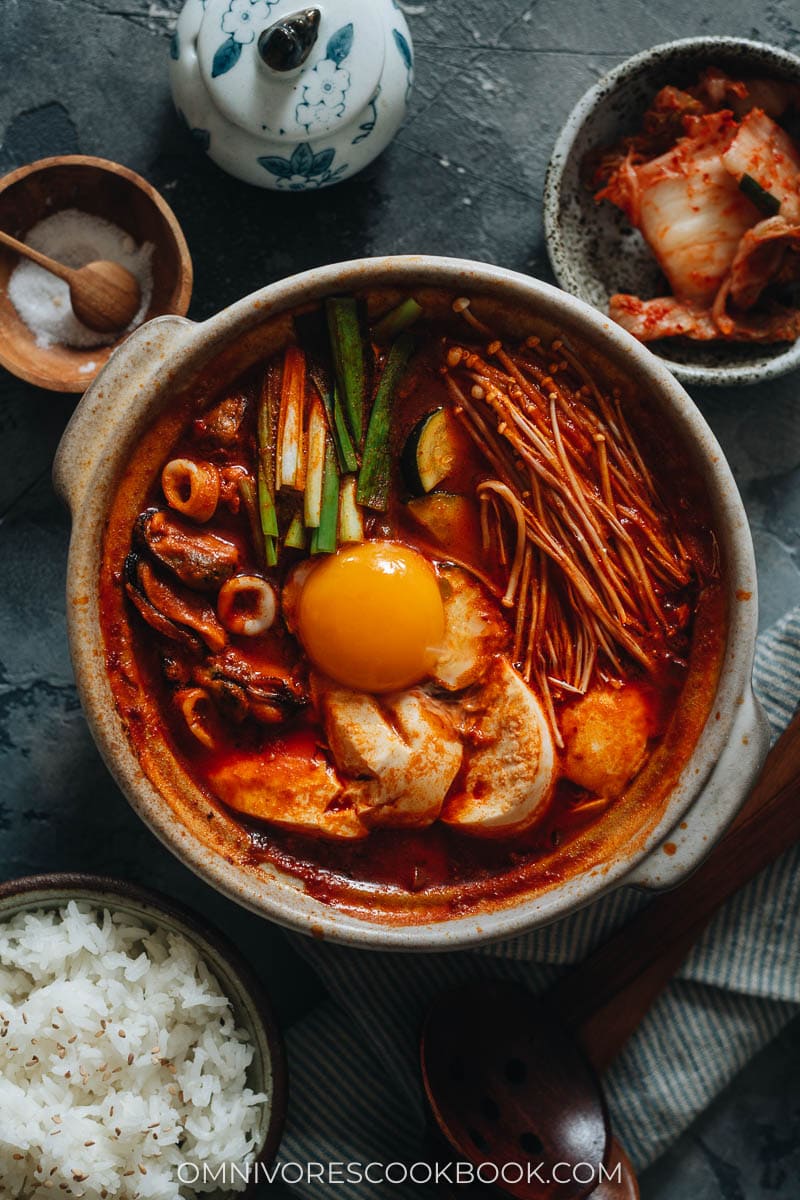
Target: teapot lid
pixel 288 73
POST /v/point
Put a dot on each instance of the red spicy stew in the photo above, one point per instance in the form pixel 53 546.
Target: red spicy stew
pixel 426 617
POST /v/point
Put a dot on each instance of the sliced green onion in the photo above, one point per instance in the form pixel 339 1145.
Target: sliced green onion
pixel 323 539
pixel 376 469
pixel 351 518
pixel 265 467
pixel 348 460
pixel 266 505
pixel 271 551
pixel 249 494
pixel 345 452
pixel 763 200
pixel 291 464
pixel 317 444
pixel 296 534
pixel 349 360
pixel 312 333
pixel 397 320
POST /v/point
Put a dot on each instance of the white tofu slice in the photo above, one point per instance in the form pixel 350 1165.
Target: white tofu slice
pixel 474 630
pixel 293 792
pixel 436 754
pixel 511 770
pixel 401 755
pixel 363 742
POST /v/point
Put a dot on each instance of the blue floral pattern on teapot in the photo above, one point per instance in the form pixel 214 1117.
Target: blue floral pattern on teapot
pixel 328 83
pixel 305 124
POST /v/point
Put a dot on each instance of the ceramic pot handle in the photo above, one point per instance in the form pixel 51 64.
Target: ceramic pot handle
pixel 107 402
pixel 738 765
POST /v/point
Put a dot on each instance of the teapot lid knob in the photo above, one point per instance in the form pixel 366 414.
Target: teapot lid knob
pixel 288 75
pixel 286 45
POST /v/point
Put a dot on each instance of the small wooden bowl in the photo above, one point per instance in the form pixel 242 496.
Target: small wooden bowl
pixel 104 189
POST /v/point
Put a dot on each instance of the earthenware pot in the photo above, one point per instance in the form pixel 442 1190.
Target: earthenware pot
pixel 287 96
pixel 168 355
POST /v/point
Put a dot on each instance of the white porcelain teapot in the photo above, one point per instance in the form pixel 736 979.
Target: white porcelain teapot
pixel 290 98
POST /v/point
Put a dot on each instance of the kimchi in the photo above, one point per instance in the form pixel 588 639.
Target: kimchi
pixel 712 182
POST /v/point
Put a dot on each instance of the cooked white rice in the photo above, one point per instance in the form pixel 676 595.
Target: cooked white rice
pixel 119 1060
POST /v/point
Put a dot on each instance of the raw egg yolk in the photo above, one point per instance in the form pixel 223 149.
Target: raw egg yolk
pixel 371 616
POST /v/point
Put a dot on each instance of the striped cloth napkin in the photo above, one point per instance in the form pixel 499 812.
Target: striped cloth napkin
pixel 355 1093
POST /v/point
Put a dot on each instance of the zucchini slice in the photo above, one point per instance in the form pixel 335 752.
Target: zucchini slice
pixel 446 517
pixel 429 454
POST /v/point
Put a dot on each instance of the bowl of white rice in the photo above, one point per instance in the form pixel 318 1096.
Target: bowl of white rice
pixel 139 1058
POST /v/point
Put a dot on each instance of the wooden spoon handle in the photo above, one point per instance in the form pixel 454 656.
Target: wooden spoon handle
pixel 49 264
pixel 605 998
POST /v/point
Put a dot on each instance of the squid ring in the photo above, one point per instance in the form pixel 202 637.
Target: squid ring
pixel 247 605
pixel 191 488
pixel 195 706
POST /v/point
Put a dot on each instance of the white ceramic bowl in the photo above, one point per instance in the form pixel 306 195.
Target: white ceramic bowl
pixel 168 354
pixel 594 251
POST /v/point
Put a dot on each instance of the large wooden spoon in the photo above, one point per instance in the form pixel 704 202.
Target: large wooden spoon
pixel 500 1086
pixel 104 295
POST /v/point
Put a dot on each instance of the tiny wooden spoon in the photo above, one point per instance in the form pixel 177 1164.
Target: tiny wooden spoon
pixel 496 1078
pixel 104 295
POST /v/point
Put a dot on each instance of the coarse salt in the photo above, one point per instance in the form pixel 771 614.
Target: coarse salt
pixel 74 238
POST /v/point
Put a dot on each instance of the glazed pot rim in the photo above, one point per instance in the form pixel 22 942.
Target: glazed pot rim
pixel 51 888
pixel 192 345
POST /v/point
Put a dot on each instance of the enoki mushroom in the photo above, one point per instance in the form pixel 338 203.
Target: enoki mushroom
pixel 571 486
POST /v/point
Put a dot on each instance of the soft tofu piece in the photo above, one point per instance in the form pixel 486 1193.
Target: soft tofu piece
pixel 435 759
pixel 401 755
pixel 474 631
pixel 606 735
pixel 362 741
pixel 511 770
pixel 293 792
